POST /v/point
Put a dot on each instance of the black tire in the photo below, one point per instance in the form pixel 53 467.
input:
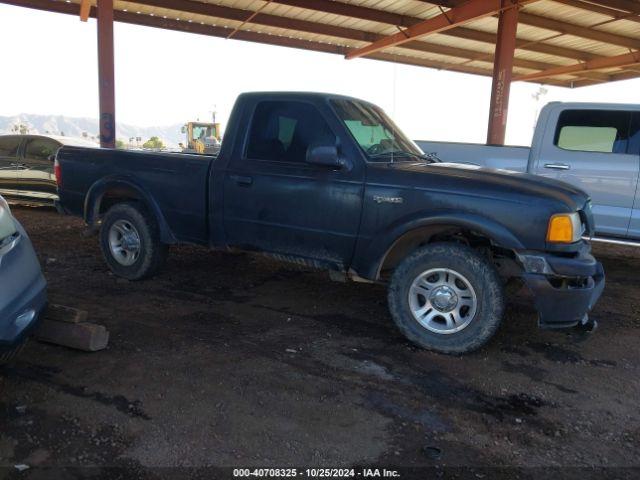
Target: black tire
pixel 479 272
pixel 152 253
pixel 7 356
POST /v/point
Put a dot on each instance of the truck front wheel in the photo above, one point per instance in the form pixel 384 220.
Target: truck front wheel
pixel 447 298
pixel 130 241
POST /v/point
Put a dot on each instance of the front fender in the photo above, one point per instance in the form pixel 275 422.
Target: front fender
pixel 128 188
pixel 370 261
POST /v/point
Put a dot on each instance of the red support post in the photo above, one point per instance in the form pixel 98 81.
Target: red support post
pixel 106 74
pixel 502 73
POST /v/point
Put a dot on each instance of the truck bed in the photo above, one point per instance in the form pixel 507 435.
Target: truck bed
pixel 177 183
pixel 493 156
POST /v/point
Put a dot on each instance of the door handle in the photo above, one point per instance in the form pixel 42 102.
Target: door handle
pixel 557 166
pixel 241 180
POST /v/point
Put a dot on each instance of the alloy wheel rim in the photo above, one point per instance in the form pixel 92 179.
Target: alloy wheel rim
pixel 124 242
pixel 442 300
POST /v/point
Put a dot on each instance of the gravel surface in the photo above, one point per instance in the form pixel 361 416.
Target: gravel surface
pixel 234 360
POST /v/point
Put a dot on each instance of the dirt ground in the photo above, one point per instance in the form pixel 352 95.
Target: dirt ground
pixel 235 360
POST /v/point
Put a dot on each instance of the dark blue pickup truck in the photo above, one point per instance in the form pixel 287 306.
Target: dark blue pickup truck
pixel 331 182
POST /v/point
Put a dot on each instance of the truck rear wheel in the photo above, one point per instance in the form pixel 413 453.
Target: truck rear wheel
pixel 446 298
pixel 130 241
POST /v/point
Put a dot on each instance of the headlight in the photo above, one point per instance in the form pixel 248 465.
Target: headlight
pixel 564 228
pixel 7 225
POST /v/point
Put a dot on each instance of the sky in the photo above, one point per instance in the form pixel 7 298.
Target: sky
pixel 165 77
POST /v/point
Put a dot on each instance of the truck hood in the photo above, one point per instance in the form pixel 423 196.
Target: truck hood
pixel 513 207
pixel 503 185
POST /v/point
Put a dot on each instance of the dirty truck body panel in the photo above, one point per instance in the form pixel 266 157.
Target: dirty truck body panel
pixel 174 186
pixel 288 206
pixel 319 179
pixel 595 147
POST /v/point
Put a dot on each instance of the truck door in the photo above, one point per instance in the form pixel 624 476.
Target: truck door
pixel 9 149
pixel 590 149
pixel 634 149
pixel 276 202
pixel 36 180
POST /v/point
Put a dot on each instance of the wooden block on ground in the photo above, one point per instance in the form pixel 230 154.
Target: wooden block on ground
pixel 65 314
pixel 89 337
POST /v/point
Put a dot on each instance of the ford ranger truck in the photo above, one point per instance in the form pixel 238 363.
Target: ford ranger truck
pixel 330 182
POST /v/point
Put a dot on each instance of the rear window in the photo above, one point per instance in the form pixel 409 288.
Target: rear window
pixel 593 131
pixel 9 146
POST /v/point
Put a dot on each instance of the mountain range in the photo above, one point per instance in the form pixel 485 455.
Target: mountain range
pixel 88 128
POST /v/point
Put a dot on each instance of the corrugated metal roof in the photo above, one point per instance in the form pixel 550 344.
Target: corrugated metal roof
pixel 551 33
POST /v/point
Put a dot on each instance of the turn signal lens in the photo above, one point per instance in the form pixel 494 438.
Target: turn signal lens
pixel 57 171
pixel 564 228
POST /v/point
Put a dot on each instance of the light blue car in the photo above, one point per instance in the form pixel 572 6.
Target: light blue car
pixel 23 293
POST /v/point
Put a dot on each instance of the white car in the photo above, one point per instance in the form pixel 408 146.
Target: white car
pixel 23 293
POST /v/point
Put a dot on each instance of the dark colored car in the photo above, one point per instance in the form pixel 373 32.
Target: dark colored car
pixel 331 182
pixel 26 167
pixel 22 285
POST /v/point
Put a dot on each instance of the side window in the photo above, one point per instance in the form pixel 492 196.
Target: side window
pixel 593 131
pixel 41 148
pixel 282 131
pixel 9 146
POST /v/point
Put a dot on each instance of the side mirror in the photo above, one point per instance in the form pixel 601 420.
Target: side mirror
pixel 326 156
pixel 183 129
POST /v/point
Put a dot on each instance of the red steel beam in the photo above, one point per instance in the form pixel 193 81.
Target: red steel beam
pixel 623 5
pixel 85 8
pixel 258 18
pixel 106 87
pixel 597 8
pixel 380 16
pixel 589 33
pixel 502 68
pixel 467 12
pixel 625 60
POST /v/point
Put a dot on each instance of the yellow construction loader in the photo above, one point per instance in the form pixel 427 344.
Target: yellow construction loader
pixel 202 137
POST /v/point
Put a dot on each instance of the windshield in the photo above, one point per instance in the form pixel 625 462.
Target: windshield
pixel 375 132
pixel 202 131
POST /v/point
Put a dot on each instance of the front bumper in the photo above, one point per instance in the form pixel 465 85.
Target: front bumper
pixel 565 289
pixel 22 291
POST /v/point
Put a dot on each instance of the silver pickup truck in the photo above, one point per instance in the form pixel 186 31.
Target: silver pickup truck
pixel 595 147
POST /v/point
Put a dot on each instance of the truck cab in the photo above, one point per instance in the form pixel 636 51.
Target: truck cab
pixel 595 147
pixel 201 137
